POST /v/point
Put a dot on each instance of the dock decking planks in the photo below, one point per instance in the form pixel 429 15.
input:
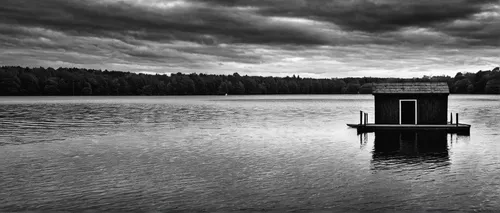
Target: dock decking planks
pixel 450 128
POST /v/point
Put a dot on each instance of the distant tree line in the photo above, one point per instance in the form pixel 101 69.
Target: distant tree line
pixel 77 81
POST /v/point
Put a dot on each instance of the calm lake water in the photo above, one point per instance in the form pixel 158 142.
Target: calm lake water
pixel 238 153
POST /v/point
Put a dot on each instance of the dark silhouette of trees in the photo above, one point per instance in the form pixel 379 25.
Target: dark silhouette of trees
pixel 77 81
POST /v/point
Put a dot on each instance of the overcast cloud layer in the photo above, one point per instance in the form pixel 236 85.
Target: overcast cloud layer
pixel 315 38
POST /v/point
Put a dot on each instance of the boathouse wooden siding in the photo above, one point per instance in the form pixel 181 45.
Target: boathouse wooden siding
pixel 431 97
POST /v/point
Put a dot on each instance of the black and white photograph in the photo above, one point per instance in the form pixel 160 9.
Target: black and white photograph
pixel 249 106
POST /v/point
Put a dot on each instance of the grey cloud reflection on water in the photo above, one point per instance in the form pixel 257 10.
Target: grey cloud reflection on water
pixel 133 154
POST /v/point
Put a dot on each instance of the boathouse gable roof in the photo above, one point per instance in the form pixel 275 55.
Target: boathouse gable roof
pixel 411 88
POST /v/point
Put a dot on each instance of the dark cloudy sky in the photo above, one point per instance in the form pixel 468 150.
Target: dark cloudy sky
pixel 314 38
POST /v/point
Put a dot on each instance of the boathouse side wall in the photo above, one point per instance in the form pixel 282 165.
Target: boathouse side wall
pixel 431 108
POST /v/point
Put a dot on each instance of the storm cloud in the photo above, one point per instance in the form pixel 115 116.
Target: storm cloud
pixel 266 37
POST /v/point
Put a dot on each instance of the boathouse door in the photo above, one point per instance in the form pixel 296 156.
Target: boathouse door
pixel 408 111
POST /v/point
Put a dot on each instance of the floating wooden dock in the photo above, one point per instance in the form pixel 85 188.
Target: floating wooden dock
pixel 449 128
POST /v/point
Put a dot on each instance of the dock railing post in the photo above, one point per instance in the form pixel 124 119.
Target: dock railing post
pixel 451 117
pixel 457 119
pixel 365 119
pixel 360 117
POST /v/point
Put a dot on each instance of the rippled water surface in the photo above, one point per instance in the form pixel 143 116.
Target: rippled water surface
pixel 239 153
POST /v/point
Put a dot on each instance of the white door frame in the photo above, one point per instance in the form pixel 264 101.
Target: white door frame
pixel 416 110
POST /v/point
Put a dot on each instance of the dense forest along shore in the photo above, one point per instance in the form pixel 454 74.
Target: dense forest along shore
pixel 76 81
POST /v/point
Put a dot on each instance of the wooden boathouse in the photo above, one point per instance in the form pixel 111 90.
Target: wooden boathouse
pixel 410 105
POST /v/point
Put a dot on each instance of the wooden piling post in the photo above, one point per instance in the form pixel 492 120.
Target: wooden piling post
pixel 360 117
pixel 457 119
pixel 451 118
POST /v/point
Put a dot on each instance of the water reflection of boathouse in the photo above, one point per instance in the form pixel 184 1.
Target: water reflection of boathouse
pixel 410 143
pixel 399 148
